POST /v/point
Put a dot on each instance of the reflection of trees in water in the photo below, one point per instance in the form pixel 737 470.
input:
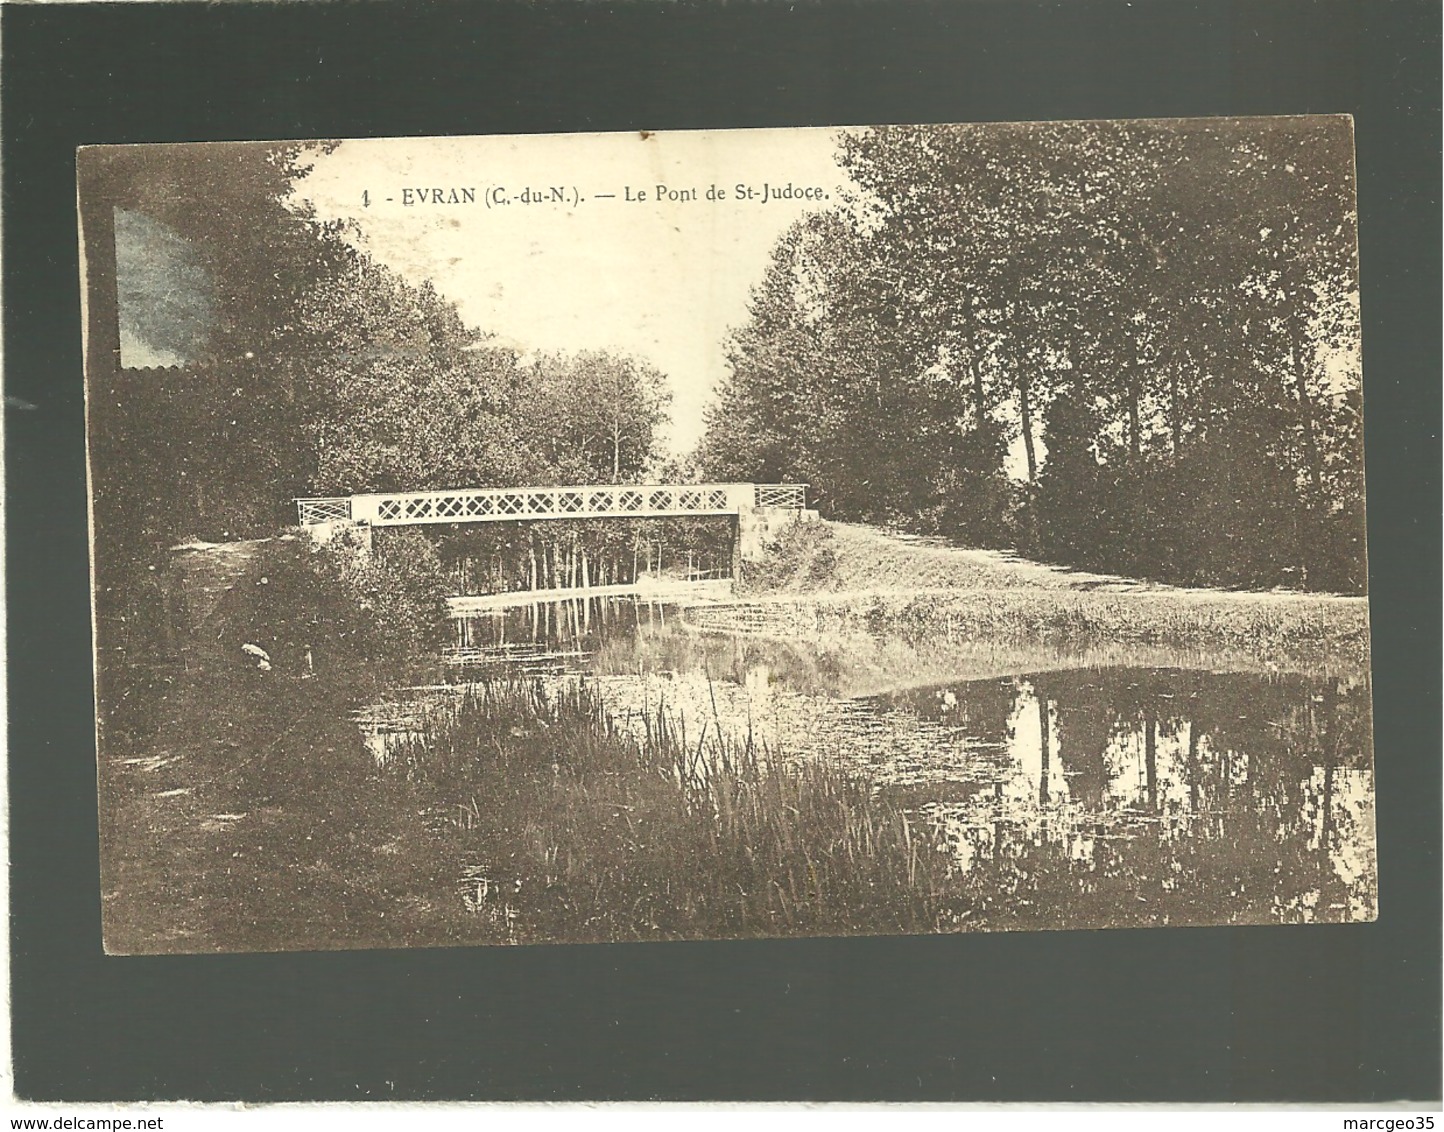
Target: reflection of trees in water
pixel 1190 797
pixel 620 636
pixel 978 711
pixel 1084 727
pixel 1129 794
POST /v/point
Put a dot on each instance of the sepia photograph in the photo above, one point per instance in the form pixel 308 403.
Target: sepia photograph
pixel 683 535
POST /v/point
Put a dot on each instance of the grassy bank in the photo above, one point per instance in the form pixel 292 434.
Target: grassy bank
pixel 239 809
pixel 827 576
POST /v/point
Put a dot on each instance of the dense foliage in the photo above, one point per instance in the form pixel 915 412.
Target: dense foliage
pixel 1158 320
pixel 309 368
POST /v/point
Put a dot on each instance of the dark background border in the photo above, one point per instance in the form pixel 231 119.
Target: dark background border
pixel 1347 1013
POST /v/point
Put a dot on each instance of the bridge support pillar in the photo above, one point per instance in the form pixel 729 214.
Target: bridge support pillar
pixel 359 534
pixel 757 526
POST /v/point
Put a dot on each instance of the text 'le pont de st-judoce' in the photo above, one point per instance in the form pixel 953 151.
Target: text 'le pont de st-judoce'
pixel 494 196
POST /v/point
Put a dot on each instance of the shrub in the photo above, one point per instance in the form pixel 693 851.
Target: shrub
pixel 398 590
pixel 803 556
pixel 341 601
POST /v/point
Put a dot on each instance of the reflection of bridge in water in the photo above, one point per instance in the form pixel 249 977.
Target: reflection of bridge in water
pixel 650 589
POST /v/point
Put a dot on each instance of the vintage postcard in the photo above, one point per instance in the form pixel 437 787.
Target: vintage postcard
pixel 698 535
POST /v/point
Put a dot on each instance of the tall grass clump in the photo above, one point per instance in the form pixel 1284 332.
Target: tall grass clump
pixel 592 831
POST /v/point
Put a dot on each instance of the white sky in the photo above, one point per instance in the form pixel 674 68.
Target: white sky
pixel 664 281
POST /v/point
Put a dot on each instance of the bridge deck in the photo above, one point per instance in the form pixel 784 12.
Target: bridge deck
pixel 584 501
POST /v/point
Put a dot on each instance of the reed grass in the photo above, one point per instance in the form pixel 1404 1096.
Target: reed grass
pixel 594 831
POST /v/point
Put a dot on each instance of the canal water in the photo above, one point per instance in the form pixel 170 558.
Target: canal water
pixel 1074 786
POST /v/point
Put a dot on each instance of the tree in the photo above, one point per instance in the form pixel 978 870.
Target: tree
pixel 764 423
pixel 212 446
pixel 1187 289
pixel 402 396
pixel 596 414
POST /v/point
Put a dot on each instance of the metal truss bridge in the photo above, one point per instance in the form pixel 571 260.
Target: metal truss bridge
pixel 519 504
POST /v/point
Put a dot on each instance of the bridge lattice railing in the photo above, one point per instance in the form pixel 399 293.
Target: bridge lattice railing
pixel 782 495
pixel 460 506
pixel 603 500
pixel 311 511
